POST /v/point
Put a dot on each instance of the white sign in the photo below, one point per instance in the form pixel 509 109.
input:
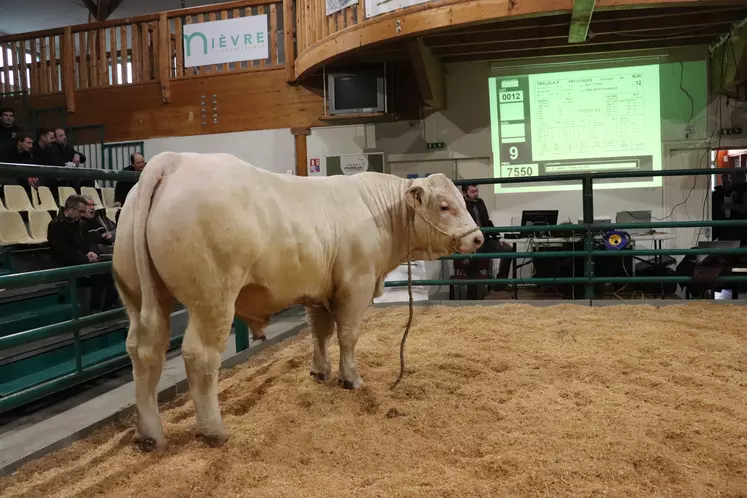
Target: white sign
pixel 337 5
pixel 354 163
pixel 228 40
pixel 377 7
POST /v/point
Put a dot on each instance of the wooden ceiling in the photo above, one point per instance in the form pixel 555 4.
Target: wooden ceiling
pixel 547 36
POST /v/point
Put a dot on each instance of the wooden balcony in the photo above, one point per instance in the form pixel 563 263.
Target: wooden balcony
pixel 131 75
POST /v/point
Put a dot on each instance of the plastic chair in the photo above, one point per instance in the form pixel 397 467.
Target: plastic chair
pixel 38 222
pixel 16 199
pixel 64 193
pixel 44 201
pixel 13 230
pixel 93 194
pixel 107 196
pixel 111 213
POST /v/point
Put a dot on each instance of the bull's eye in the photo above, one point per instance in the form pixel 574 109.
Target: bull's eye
pixel 444 207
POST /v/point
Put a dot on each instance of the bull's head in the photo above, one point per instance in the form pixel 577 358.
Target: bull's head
pixel 441 224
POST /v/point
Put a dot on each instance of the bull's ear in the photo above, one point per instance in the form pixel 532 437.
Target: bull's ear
pixel 415 196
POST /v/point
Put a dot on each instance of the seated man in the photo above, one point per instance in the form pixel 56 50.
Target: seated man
pixel 98 230
pixel 68 246
pixel 479 212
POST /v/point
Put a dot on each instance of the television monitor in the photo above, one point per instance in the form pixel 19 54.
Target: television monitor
pixel 356 92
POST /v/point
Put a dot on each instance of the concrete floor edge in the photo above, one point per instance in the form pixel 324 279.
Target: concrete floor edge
pixel 20 447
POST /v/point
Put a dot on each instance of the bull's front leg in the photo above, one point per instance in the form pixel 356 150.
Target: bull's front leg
pixel 351 305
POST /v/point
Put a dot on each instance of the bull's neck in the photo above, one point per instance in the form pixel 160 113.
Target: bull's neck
pixel 394 220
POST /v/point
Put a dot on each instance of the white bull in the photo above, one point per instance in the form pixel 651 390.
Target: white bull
pixel 226 238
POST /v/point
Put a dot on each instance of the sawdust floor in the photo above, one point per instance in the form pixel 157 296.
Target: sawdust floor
pixel 499 400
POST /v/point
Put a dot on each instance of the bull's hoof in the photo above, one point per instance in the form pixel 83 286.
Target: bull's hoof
pixel 148 444
pixel 213 440
pixel 320 376
pixel 349 384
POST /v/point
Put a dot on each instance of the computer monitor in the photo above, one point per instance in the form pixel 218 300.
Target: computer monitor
pixel 538 217
pixel 641 216
pixel 715 244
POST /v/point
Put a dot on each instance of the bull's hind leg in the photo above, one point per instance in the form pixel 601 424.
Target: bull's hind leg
pixel 322 327
pixel 147 351
pixel 203 343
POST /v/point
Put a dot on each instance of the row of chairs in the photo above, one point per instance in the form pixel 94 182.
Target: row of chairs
pixel 17 200
pixel 14 231
pixel 39 210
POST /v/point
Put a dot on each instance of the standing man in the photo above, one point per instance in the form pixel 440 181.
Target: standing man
pixel 478 210
pixel 8 128
pixel 137 163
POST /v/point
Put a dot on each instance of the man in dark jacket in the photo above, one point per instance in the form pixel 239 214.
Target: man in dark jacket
pixel 69 246
pixel 479 212
pixel 69 156
pixel 137 163
pixel 8 128
pixel 20 153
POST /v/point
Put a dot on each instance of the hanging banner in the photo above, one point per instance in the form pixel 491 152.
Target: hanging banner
pixel 377 7
pixel 228 40
pixel 337 5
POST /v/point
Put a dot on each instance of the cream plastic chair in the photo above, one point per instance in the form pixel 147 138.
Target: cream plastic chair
pixel 16 199
pixel 111 213
pixel 2 206
pixel 44 201
pixel 13 230
pixel 64 193
pixel 93 194
pixel 107 195
pixel 38 222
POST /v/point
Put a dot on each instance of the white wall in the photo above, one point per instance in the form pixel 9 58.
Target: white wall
pixel 272 150
pixel 465 129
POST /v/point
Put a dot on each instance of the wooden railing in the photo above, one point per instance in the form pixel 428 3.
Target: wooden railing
pixel 313 24
pixel 133 51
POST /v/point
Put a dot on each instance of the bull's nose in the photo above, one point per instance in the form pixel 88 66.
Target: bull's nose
pixel 478 240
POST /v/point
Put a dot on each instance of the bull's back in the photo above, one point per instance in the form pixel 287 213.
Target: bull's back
pixel 216 220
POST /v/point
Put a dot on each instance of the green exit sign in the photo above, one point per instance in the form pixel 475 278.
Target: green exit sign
pixel 436 145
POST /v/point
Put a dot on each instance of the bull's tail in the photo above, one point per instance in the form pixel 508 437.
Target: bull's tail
pixel 157 168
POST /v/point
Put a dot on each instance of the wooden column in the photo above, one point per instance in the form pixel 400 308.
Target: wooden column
pixel 164 56
pixel 68 68
pixel 299 136
pixel 290 52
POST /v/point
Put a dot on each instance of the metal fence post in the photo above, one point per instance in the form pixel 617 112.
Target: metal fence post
pixel 73 291
pixel 242 334
pixel 588 207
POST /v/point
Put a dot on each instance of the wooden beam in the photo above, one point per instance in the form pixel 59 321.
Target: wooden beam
pixel 501 47
pixel 429 74
pixel 164 57
pixel 288 30
pixel 68 69
pixel 299 137
pixel 511 32
pixel 580 19
pixel 576 49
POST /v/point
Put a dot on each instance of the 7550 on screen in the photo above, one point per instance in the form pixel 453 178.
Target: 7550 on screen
pixel 519 171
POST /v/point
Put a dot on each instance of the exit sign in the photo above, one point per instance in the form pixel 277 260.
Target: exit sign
pixel 436 145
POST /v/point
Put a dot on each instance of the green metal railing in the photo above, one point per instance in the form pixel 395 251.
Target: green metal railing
pixel 70 275
pixel 588 229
